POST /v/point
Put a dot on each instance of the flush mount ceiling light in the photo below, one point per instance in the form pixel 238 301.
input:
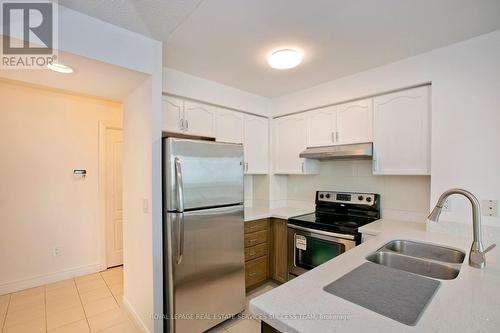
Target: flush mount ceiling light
pixel 285 58
pixel 60 68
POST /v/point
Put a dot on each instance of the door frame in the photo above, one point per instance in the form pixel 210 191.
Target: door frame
pixel 103 126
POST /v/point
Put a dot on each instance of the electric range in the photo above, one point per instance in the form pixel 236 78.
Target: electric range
pixel 331 230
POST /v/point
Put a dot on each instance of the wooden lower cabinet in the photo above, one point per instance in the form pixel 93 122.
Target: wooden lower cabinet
pixel 279 268
pixel 256 252
pixel 265 251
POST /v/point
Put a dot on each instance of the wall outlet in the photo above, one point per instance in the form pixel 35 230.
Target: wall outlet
pixel 56 251
pixel 489 208
pixel 447 205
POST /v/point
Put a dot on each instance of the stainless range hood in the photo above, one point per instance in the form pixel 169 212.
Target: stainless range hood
pixel 341 152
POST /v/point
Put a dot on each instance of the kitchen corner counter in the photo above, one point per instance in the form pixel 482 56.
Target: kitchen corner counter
pixel 256 213
pixel 468 303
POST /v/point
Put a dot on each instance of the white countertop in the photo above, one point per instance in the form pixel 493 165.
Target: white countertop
pixel 469 303
pixel 384 225
pixel 256 213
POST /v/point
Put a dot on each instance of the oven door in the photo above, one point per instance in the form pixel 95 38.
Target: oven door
pixel 309 248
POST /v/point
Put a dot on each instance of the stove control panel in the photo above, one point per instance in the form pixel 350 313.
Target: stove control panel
pixel 346 197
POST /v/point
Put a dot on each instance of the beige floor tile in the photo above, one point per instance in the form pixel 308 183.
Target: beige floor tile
pixel 27 302
pixel 100 306
pixel 61 292
pixel 76 327
pixel 66 297
pixel 116 289
pixel 107 319
pixel 64 317
pixel 31 326
pixel 4 304
pixel 90 285
pixel 244 326
pixel 29 292
pixel 19 317
pixel 63 304
pixel 94 295
pixel 61 284
pixel 126 327
pixel 88 278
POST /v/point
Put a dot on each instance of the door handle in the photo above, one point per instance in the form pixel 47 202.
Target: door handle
pixel 180 209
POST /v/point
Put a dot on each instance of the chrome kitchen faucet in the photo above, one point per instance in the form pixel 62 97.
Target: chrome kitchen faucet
pixel 477 252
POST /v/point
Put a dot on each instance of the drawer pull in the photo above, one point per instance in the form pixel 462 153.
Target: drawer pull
pixel 252 253
pixel 252 240
pixel 252 274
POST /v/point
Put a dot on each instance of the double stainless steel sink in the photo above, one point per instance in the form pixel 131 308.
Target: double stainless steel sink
pixel 420 258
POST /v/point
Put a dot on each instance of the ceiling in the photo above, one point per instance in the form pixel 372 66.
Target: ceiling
pixel 227 40
pixel 91 77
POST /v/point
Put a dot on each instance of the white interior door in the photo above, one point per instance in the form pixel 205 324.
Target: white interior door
pixel 113 190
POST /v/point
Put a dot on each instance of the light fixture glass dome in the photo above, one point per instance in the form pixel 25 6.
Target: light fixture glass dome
pixel 60 68
pixel 285 58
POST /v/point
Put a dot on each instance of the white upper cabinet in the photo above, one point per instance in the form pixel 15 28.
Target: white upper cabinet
pixel 229 126
pixel 173 113
pixel 402 133
pixel 199 119
pixel 256 145
pixel 321 127
pixel 354 122
pixel 290 138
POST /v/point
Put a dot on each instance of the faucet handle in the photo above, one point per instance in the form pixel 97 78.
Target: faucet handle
pixel 489 248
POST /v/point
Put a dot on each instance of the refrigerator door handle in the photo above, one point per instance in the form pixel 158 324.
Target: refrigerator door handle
pixel 180 209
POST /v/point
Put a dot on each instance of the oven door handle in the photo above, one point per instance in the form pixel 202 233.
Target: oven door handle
pixel 321 232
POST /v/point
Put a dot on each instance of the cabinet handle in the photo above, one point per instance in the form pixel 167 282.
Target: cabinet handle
pixel 302 167
pixel 375 161
pixel 333 137
pixel 252 274
pixel 337 136
pixel 252 240
pixel 181 124
pixel 187 124
pixel 246 167
pixel 252 253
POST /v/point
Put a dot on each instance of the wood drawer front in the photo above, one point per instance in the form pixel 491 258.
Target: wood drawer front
pixel 255 238
pixel 254 226
pixel 255 271
pixel 256 251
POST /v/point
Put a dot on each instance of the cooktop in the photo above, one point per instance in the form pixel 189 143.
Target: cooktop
pixel 341 212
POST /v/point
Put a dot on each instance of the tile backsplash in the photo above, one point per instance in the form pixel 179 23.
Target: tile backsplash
pixel 402 197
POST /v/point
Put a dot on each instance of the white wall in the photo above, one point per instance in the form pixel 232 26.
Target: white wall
pixel 465 113
pixel 182 84
pixel 44 136
pixel 89 37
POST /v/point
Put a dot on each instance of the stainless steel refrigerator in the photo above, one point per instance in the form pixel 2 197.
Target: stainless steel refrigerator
pixel 203 235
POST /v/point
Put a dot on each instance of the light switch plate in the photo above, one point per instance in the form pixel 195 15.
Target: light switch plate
pixel 489 208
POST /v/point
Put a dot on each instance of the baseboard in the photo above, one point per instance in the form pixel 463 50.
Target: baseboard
pixel 39 280
pixel 134 317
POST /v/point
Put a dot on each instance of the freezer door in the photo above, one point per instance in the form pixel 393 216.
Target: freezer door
pixel 207 281
pixel 212 173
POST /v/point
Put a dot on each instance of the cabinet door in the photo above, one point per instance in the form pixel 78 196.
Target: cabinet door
pixel 229 126
pixel 290 140
pixel 321 126
pixel 199 119
pixel 402 133
pixel 355 122
pixel 279 268
pixel 256 145
pixel 172 111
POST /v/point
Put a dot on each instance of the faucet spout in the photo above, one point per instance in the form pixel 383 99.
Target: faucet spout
pixel 477 256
